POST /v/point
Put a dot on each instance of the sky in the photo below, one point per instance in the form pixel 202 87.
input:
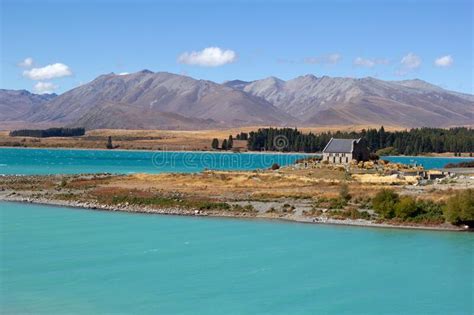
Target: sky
pixel 53 46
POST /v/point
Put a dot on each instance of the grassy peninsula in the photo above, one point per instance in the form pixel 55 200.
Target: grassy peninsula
pixel 309 191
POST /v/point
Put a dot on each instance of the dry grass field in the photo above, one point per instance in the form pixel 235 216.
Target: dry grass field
pixel 153 139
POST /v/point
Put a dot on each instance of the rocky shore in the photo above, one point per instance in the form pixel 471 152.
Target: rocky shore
pixel 13 197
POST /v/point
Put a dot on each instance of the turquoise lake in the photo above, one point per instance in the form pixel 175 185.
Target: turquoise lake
pixel 68 261
pixel 63 161
pixel 426 162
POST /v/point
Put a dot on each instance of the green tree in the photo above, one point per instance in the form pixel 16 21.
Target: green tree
pixel 384 203
pixel 459 208
pixel 224 144
pixel 215 144
pixel 413 141
pixel 230 142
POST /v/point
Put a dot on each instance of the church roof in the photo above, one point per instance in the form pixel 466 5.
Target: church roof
pixel 340 145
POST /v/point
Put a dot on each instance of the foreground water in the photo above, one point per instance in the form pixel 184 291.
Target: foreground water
pixel 63 161
pixel 62 261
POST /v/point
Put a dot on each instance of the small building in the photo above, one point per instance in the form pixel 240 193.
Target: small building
pixel 343 151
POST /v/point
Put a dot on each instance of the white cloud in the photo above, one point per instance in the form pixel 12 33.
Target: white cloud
pixel 444 61
pixel 409 63
pixel 56 70
pixel 123 73
pixel 369 63
pixel 26 63
pixel 45 87
pixel 208 57
pixel 331 59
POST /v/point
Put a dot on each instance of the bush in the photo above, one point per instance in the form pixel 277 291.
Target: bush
pixel 406 207
pixel 344 192
pixel 428 212
pixel 384 203
pixel 468 164
pixel 387 151
pixel 275 166
pixel 374 156
pixel 353 214
pixel 459 208
pixel 337 203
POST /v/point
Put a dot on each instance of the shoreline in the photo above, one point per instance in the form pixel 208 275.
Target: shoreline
pixel 223 214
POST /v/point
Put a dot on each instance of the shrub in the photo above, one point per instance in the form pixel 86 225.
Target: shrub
pixel 406 207
pixel 384 203
pixel 387 151
pixel 275 166
pixel 337 203
pixel 344 192
pixel 374 156
pixel 63 183
pixel 468 164
pixel 353 214
pixel 429 212
pixel 459 208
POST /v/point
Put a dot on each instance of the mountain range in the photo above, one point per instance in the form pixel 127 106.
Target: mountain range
pixel 149 100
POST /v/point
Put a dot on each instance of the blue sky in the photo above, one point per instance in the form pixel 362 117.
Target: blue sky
pixel 72 42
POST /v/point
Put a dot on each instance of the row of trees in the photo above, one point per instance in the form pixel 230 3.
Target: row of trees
pixel 227 144
pixel 410 142
pixel 51 132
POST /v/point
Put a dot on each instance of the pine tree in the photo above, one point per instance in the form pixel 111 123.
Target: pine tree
pixel 215 144
pixel 224 144
pixel 109 143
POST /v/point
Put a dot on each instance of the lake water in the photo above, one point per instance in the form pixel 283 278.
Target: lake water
pixel 68 261
pixel 427 162
pixel 63 161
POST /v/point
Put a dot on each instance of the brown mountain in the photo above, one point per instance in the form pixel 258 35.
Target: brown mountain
pixel 157 100
pixel 14 104
pixel 326 100
pixel 148 100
